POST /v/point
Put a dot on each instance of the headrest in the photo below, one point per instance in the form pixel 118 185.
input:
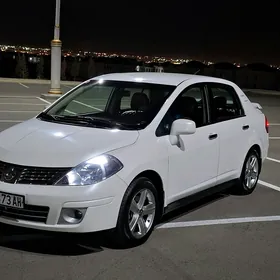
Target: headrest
pixel 189 101
pixel 185 105
pixel 220 101
pixel 139 100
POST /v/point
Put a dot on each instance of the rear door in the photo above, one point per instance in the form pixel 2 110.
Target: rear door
pixel 228 117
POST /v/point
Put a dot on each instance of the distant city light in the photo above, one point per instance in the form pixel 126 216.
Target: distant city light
pixel 82 53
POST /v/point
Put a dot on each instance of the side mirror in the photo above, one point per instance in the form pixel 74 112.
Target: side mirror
pixel 181 127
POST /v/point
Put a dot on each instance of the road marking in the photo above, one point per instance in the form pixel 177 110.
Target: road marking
pixel 226 221
pixel 273 159
pixel 89 106
pixel 70 112
pixel 43 100
pixel 220 222
pixel 17 96
pixel 23 85
pixel 25 104
pixel 10 121
pixel 274 138
pixel 276 124
pixel 16 111
pixel 268 185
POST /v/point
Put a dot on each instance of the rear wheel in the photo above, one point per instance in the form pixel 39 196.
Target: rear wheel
pixel 250 173
pixel 139 213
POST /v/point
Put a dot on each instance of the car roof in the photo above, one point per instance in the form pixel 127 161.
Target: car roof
pixel 164 78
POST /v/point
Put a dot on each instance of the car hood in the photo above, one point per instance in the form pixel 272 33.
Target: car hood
pixel 40 143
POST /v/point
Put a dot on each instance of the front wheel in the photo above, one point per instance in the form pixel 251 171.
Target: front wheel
pixel 138 215
pixel 250 173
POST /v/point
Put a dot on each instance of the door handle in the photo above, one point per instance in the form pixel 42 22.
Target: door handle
pixel 245 127
pixel 212 136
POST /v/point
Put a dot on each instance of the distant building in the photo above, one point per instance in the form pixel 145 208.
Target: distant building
pixel 158 69
pixel 149 69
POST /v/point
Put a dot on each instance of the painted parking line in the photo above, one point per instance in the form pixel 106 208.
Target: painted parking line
pixel 43 100
pixel 24 104
pixel 273 159
pixel 17 96
pixel 268 185
pixel 23 85
pixel 11 111
pixel 10 121
pixel 274 138
pixel 220 222
pixel 276 124
pixel 226 221
pixel 86 105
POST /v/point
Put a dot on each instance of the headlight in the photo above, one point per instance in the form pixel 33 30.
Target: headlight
pixel 92 171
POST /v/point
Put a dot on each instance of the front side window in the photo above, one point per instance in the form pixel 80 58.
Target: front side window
pixel 190 104
pixel 107 104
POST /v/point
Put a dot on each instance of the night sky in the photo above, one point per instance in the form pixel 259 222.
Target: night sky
pixel 242 31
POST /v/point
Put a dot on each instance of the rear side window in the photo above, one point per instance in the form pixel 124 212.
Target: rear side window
pixel 225 103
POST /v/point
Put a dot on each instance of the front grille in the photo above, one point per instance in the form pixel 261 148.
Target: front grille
pixel 18 174
pixel 29 213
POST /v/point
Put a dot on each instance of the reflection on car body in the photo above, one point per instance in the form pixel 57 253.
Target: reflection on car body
pixel 117 151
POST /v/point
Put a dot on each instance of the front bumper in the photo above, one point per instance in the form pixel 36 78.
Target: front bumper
pixel 101 203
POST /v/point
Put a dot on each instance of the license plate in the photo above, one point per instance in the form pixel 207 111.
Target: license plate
pixel 11 200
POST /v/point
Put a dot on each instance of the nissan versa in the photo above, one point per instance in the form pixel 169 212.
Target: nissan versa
pixel 117 151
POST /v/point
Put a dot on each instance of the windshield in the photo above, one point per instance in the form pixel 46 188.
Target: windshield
pixel 108 104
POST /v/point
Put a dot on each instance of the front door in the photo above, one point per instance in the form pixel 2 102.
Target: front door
pixel 193 165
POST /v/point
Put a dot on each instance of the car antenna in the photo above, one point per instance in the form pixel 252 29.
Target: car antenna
pixel 196 71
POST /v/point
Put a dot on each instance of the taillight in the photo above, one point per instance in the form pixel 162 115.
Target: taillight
pixel 266 125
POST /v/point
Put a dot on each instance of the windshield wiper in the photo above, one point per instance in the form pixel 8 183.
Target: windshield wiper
pixel 90 121
pixel 45 116
pixel 86 118
pixel 114 123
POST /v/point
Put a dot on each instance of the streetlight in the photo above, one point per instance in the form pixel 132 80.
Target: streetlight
pixel 56 54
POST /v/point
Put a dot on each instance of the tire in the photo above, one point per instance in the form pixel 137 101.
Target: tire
pixel 124 235
pixel 249 176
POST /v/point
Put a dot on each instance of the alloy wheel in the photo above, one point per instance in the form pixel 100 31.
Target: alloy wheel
pixel 142 213
pixel 251 172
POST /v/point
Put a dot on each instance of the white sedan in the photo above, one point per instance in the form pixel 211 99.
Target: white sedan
pixel 118 151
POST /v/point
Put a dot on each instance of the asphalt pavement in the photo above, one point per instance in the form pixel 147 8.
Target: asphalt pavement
pixel 224 237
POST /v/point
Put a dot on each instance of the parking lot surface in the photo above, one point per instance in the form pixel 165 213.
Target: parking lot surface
pixel 223 237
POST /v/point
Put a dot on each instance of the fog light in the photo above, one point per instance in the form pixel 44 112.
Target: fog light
pixel 78 214
pixel 71 215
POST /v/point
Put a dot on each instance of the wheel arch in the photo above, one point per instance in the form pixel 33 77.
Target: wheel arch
pixel 257 148
pixel 158 183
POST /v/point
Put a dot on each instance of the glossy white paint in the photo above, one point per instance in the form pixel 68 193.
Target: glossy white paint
pixel 39 143
pixel 101 200
pixel 193 164
pixel 186 167
pixel 148 77
pixel 181 127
